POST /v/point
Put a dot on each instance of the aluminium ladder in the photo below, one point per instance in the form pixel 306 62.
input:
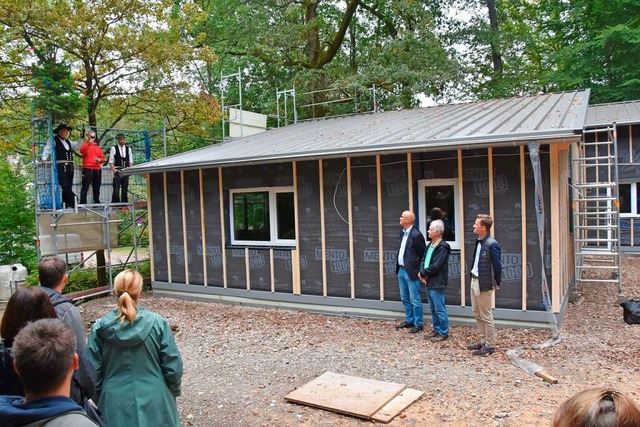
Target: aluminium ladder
pixel 596 209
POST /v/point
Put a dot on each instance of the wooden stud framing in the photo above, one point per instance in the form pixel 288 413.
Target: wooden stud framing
pixel 491 205
pixel 222 229
pixel 410 181
pixel 247 268
pixel 203 228
pixel 380 227
pixel 460 214
pixel 185 249
pixel 555 212
pixel 295 266
pixel 273 272
pixel 322 228
pixel 352 263
pixel 631 220
pixel 166 227
pixel 149 215
pixel 523 224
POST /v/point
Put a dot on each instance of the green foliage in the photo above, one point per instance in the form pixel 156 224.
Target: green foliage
pixel 56 90
pixel 17 216
pixel 82 280
pixel 316 45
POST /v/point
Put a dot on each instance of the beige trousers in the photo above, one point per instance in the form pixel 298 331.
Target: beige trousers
pixel 481 305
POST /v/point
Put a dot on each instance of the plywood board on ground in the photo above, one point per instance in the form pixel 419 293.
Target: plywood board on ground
pixel 397 405
pixel 346 394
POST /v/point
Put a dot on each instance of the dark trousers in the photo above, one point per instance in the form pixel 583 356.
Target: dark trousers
pixel 65 179
pixel 93 178
pixel 120 183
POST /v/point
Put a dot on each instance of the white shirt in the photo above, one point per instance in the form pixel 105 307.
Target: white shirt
pixel 474 270
pixel 65 143
pixel 112 154
pixel 403 246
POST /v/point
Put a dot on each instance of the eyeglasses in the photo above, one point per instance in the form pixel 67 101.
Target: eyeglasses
pixel 92 137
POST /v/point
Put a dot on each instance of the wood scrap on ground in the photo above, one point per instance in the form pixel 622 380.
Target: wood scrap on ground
pixel 364 398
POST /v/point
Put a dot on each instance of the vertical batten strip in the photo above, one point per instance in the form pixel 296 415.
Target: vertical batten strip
pixel 166 226
pixel 247 268
pixel 150 225
pixel 352 263
pixel 380 227
pixel 203 228
pixel 295 275
pixel 222 229
pixel 273 272
pixel 491 206
pixel 460 214
pixel 523 224
pixel 323 245
pixel 631 220
pixel 554 212
pixel 185 250
pixel 410 181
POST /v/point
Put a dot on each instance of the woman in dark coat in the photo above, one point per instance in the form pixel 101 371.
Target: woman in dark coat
pixel 26 305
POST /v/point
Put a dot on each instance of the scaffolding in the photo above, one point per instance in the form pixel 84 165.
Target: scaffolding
pixel 87 227
pixel 324 103
pixel 596 209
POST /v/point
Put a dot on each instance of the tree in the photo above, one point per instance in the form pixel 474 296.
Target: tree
pixel 129 51
pixel 601 44
pixel 313 45
pixel 17 227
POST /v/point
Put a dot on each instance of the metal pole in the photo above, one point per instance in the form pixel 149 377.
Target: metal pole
pixel 240 96
pixel 164 136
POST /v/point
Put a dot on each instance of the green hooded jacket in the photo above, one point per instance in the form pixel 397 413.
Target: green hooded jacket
pixel 139 370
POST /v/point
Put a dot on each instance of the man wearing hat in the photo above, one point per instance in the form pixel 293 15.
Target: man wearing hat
pixel 64 162
pixel 120 157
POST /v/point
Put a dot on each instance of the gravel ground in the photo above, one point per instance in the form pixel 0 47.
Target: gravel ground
pixel 240 362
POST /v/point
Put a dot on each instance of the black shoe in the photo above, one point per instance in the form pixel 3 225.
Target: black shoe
pixel 439 338
pixel 475 346
pixel 415 329
pixel 404 324
pixel 431 335
pixel 484 351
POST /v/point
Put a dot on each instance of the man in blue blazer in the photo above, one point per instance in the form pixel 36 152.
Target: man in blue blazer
pixel 412 249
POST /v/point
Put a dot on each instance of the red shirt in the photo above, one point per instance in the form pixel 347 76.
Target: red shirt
pixel 92 156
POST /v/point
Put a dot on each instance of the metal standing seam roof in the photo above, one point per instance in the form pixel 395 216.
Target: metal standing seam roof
pixel 500 122
pixel 619 112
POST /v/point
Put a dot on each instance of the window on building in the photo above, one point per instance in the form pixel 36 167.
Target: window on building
pixel 628 196
pixel 443 194
pixel 263 216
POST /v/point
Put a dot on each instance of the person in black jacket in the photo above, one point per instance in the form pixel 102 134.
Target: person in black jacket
pixel 26 305
pixel 412 247
pixel 120 157
pixel 64 150
pixel 434 272
pixel 486 274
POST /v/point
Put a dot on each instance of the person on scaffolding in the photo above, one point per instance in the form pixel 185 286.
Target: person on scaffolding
pixel 64 162
pixel 120 157
pixel 92 160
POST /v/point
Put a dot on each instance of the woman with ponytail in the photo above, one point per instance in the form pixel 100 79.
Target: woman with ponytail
pixel 138 363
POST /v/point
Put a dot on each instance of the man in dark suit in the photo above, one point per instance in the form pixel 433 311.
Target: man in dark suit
pixel 412 249
pixel 63 149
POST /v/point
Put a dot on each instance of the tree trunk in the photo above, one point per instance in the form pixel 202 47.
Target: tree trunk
pixel 101 264
pixel 313 37
pixel 496 55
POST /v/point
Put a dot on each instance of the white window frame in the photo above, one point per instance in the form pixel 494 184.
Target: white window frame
pixel 422 204
pixel 273 217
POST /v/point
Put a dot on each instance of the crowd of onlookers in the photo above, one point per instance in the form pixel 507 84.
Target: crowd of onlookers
pixel 129 371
